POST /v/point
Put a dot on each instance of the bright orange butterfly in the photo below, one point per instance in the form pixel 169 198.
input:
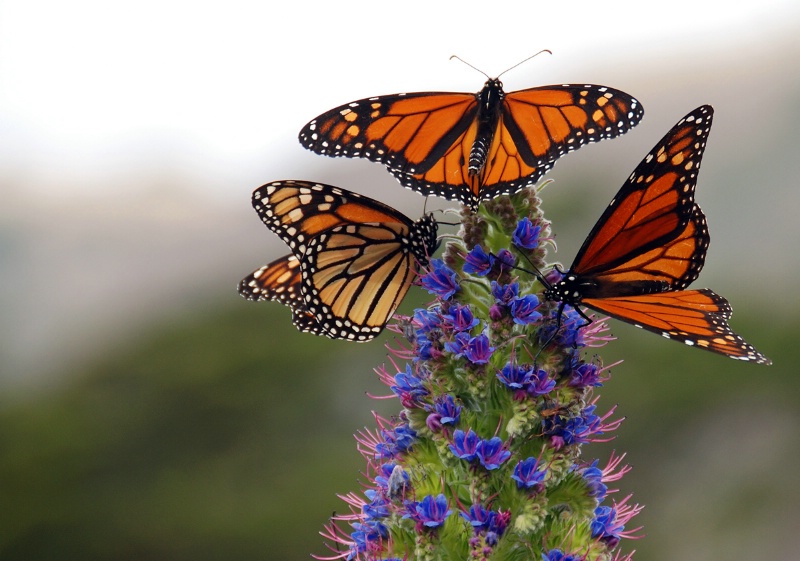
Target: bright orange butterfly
pixel 649 245
pixel 472 147
pixel 353 258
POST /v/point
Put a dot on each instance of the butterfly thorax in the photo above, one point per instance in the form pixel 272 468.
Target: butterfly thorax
pixel 573 288
pixel 423 239
pixel 490 100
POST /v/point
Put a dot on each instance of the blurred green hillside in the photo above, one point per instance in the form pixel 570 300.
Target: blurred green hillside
pixel 226 435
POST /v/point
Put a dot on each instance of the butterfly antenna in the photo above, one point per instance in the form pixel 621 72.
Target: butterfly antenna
pixel 468 64
pixel 536 272
pixel 442 221
pixel 452 211
pixel 544 345
pixel 548 51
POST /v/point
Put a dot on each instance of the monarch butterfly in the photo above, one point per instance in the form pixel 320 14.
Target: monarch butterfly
pixel 472 147
pixel 649 245
pixel 353 258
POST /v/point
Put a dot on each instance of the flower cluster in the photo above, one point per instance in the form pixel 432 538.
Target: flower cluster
pixel 484 459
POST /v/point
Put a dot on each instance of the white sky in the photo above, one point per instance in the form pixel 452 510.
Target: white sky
pixel 93 87
pixel 112 112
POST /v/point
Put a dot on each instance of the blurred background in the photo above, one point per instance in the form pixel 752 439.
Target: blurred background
pixel 148 412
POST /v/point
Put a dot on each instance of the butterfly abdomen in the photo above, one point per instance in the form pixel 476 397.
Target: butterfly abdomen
pixel 574 288
pixel 490 100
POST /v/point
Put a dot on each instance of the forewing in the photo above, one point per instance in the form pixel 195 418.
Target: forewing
pixel 407 132
pixel 299 210
pixel 654 211
pixel 548 121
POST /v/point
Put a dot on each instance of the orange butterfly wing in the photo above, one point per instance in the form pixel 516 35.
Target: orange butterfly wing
pixel 281 281
pixel 407 132
pixel 653 234
pixel 695 317
pixel 426 138
pixel 300 210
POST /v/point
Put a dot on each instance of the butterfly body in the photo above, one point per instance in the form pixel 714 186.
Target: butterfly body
pixel 353 258
pixel 472 147
pixel 490 100
pixel 574 288
pixel 649 245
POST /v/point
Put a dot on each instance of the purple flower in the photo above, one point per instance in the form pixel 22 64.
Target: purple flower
pixel 425 350
pixel 409 388
pixel 458 345
pixel 605 525
pixel 558 555
pixel 405 437
pixel 505 293
pixel 478 262
pixel 526 235
pixel 569 333
pixel 465 444
pixel 570 430
pixel 514 376
pixel 506 260
pixel 478 517
pixel 378 507
pixel 498 522
pixel 441 280
pixel 528 475
pixel 594 481
pixel 540 384
pixel 395 441
pixel 448 410
pixel 491 454
pixel 585 375
pixel 487 522
pixel 431 511
pixel 366 536
pixel 460 318
pixel 478 350
pixel 428 320
pixel 523 310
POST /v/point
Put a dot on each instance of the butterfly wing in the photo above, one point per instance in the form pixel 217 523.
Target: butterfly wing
pixel 547 122
pixel 354 257
pixel 281 281
pixel 426 138
pixel 300 210
pixel 354 277
pixel 652 237
pixel 408 132
pixel 698 318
